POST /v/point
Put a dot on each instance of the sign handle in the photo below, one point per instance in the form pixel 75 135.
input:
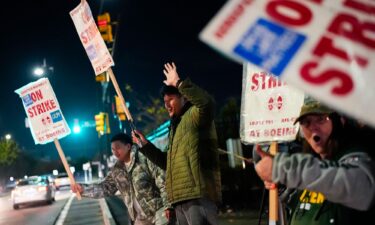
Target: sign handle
pixel 118 91
pixel 66 165
pixel 273 194
pixel 122 100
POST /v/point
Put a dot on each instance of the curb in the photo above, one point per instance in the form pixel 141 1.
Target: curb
pixel 106 213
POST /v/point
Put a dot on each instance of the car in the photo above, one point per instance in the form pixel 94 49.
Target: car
pixel 32 190
pixel 51 179
pixel 62 180
pixel 10 185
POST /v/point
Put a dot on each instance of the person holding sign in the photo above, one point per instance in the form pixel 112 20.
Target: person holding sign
pixel 140 182
pixel 192 161
pixel 334 178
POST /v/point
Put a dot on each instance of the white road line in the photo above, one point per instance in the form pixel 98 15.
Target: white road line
pixel 64 212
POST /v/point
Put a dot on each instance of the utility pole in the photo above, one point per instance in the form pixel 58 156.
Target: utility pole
pixel 105 27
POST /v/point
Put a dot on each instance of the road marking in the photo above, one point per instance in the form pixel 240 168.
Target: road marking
pixel 64 212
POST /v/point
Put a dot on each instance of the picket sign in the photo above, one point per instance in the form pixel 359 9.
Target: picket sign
pixel 47 123
pixel 96 49
pixel 269 107
pixel 91 38
pixel 325 48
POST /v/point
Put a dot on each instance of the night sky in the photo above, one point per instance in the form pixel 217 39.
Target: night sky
pixel 150 34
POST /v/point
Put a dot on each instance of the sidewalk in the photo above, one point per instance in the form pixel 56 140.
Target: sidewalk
pixel 112 211
pixel 85 212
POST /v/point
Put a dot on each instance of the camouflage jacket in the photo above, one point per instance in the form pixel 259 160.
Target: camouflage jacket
pixel 142 179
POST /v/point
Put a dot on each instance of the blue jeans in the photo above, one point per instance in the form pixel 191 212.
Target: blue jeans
pixel 199 211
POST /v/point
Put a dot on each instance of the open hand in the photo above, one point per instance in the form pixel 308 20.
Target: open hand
pixel 171 74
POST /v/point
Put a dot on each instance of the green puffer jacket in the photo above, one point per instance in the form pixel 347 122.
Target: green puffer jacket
pixel 192 160
pixel 142 180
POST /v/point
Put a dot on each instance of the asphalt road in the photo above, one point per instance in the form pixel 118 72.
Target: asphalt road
pixel 32 214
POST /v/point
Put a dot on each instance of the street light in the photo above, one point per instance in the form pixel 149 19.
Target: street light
pixel 39 71
pixel 43 69
pixel 8 136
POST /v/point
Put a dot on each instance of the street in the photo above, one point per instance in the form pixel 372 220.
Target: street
pixel 32 214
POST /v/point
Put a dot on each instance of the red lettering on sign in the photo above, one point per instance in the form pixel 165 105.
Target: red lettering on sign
pixel 302 14
pixel 41 108
pixel 262 81
pixel 37 95
pixel 88 34
pixel 346 83
pixel 325 46
pixel 360 6
pixel 279 132
pixel 254 133
pixel 232 18
pixel 348 26
pixel 317 1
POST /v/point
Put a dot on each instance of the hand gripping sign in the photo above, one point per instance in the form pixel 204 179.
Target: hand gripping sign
pixel 46 120
pixel 324 47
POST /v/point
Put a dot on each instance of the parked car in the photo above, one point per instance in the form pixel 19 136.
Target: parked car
pixel 62 180
pixel 31 190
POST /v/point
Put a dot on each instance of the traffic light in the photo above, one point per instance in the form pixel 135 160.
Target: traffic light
pixel 99 122
pixel 119 110
pixel 102 123
pixel 103 77
pixel 76 127
pixel 105 27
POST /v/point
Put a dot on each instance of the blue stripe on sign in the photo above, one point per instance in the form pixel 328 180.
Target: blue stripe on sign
pixel 269 45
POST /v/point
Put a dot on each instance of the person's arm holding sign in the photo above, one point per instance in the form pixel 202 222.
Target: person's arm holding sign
pixel 100 190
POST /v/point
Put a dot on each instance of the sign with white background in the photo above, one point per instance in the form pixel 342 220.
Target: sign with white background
pixel 325 48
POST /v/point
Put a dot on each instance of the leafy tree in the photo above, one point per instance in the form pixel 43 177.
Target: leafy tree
pixel 9 151
pixel 227 121
pixel 149 111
